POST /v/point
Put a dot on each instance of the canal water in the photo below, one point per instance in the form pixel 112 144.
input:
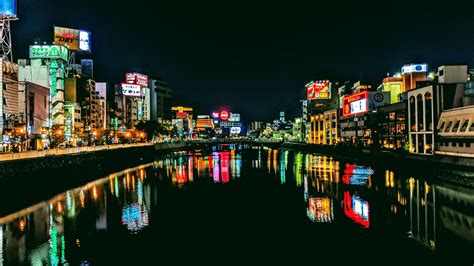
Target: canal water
pixel 248 205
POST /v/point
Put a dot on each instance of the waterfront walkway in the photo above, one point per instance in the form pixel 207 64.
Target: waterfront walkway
pixel 64 151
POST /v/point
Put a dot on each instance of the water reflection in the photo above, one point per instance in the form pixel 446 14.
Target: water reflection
pixel 342 195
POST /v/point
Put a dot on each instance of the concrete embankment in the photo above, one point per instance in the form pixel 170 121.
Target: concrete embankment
pixel 28 180
pixel 388 158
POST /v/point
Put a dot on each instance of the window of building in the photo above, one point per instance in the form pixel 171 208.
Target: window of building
pixel 448 127
pixel 471 128
pixel 45 102
pixel 419 114
pixel 429 122
pixel 4 86
pixel 468 144
pixel 464 126
pixel 456 126
pixel 412 114
pixel 5 103
pixel 392 116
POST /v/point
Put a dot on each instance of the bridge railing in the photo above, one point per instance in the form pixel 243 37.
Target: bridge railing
pixel 63 151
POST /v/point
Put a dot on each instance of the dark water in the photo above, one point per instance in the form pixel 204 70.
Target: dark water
pixel 248 206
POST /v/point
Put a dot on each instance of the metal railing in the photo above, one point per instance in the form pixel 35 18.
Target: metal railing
pixel 53 152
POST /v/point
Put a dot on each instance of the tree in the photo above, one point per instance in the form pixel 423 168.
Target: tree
pixel 57 135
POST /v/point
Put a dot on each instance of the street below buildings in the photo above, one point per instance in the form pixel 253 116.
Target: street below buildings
pixel 247 204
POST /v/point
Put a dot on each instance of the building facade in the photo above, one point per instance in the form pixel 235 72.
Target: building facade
pixel 426 103
pixel 160 100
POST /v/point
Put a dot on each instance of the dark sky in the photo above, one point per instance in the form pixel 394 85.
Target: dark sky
pixel 254 57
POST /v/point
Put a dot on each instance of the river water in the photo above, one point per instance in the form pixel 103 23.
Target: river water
pixel 232 204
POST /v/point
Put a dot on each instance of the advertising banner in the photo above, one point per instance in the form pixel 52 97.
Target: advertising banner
pixel 235 130
pixel 131 90
pixel 414 68
pixel 8 8
pixel 318 90
pixel 355 104
pixel 75 40
pixel 48 52
pixel 136 78
pixel 234 117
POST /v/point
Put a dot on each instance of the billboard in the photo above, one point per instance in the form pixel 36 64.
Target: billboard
pixel 318 90
pixel 136 78
pixel 355 104
pixel 414 68
pixel 8 8
pixel 235 130
pixel 48 52
pixel 234 117
pixel 75 40
pixel 132 90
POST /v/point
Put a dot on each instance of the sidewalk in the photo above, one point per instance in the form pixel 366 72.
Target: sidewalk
pixel 52 152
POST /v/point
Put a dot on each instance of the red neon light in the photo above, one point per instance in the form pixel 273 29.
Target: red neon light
pixel 347 100
pixel 67 35
pixel 224 115
pixel 318 90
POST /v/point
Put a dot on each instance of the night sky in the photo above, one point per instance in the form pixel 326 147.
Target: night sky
pixel 254 57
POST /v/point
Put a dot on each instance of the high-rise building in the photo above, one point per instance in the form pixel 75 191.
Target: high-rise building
pixel 160 100
pixel 47 71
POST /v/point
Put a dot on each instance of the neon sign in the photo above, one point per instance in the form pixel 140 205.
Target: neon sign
pixel 224 115
pixel 355 104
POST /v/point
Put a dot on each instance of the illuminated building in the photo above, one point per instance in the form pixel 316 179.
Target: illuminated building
pixel 359 119
pixel 227 123
pixel 183 120
pixel 101 89
pixel 392 126
pixel 426 104
pixel 394 85
pixel 47 67
pixel 323 105
pixel 73 123
pixel 411 74
pixel 203 122
pixel 9 97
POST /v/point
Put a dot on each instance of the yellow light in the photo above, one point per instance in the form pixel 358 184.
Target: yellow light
pixel 94 193
pixel 22 225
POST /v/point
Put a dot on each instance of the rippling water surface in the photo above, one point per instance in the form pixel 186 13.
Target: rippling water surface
pixel 234 204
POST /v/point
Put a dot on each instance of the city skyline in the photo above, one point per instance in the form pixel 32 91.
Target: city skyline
pixel 256 60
